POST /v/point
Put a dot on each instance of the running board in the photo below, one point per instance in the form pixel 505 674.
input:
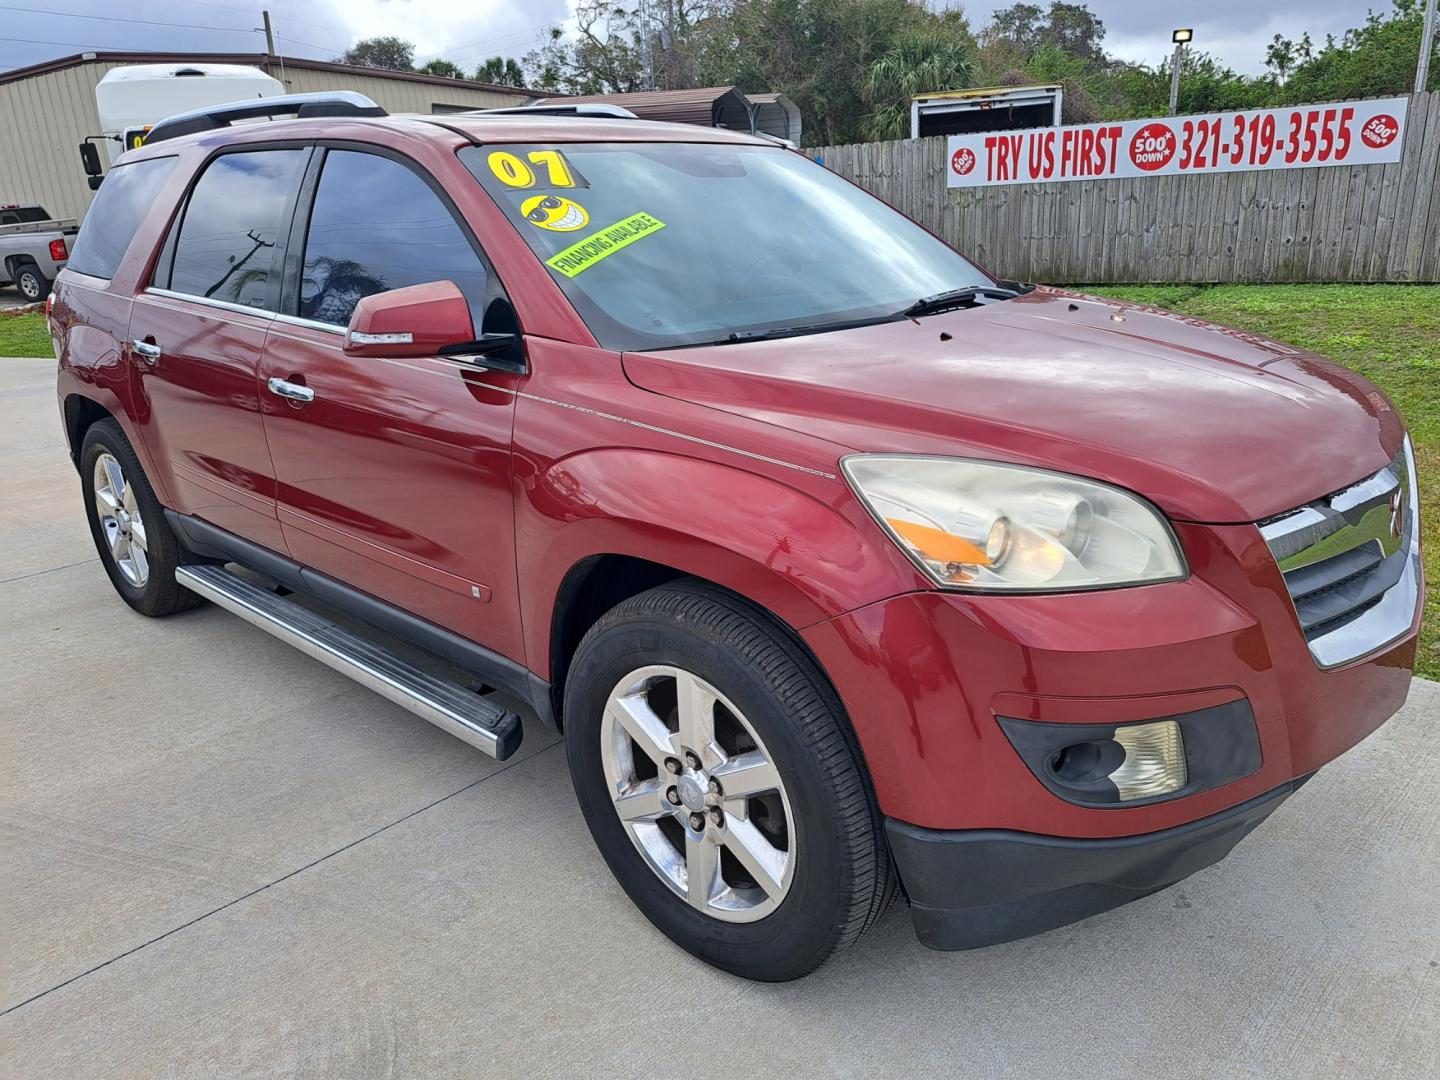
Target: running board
pixel 450 707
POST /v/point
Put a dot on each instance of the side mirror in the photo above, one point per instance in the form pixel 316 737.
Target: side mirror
pixel 90 159
pixel 421 320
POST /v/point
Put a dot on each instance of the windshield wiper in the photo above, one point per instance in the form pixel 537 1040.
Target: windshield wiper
pixel 945 301
pixel 795 331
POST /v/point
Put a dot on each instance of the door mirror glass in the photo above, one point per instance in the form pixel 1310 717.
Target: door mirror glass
pixel 90 159
pixel 418 320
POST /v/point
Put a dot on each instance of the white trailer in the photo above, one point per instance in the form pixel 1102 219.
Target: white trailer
pixel 133 99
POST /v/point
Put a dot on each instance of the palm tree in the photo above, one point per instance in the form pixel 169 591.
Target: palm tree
pixel 917 62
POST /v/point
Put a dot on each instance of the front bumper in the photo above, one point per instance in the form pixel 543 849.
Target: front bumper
pixel 926 678
pixel 971 888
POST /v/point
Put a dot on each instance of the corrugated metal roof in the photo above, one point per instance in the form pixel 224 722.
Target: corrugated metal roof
pixel 264 61
pixel 708 106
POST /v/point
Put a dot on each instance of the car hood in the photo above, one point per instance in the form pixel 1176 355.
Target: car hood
pixel 1212 424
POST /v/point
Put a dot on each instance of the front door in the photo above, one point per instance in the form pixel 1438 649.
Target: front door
pixel 202 325
pixel 395 477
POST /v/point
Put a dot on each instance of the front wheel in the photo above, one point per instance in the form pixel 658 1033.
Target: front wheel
pixel 717 772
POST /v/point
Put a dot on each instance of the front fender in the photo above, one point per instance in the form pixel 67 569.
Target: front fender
pixel 798 556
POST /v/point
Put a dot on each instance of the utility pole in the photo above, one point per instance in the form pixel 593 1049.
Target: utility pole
pixel 1427 43
pixel 1181 38
pixel 269 34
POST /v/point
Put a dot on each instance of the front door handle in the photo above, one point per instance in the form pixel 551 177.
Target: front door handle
pixel 147 350
pixel 290 391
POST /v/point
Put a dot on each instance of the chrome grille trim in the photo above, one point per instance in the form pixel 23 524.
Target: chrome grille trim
pixel 1351 562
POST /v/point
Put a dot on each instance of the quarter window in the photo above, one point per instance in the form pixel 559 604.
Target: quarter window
pixel 377 226
pixel 229 239
pixel 116 214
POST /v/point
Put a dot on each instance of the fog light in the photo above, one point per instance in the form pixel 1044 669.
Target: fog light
pixel 1154 760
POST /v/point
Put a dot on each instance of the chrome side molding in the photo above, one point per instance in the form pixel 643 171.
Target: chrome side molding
pixel 450 707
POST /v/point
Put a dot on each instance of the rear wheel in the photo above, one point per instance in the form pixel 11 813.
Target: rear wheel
pixel 719 779
pixel 31 283
pixel 135 542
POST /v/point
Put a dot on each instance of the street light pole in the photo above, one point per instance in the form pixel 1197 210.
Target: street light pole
pixel 1427 42
pixel 1181 38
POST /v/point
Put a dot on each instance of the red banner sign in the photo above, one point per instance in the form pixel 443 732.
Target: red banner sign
pixel 1338 133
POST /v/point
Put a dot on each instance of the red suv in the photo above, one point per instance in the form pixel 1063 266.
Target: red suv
pixel 842 565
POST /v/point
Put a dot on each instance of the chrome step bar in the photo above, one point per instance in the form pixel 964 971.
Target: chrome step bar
pixel 450 707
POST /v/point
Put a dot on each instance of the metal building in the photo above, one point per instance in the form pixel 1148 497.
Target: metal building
pixel 47 109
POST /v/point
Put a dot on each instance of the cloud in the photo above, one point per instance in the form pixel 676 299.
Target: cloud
pixel 1236 31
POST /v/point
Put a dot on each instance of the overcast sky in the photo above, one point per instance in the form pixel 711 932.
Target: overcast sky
pixel 1235 30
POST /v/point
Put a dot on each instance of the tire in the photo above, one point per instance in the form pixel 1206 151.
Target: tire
pixel 31 283
pixel 837 877
pixel 145 581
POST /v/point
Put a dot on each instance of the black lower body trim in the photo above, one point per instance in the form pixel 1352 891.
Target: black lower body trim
pixel 210 542
pixel 970 888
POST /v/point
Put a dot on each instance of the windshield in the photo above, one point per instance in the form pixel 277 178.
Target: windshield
pixel 666 244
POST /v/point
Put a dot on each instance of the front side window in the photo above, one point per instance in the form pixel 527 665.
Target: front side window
pixel 666 244
pixel 230 235
pixel 377 226
pixel 115 215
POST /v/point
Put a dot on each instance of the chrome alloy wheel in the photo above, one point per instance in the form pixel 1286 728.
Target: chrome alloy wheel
pixel 698 793
pixel 119 516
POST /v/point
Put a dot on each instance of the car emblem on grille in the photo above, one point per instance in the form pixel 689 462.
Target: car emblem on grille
pixel 1397 513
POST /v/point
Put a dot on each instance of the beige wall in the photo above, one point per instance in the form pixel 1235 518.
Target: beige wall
pixel 44 118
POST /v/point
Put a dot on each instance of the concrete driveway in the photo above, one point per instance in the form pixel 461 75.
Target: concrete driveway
pixel 223 860
pixel 10 297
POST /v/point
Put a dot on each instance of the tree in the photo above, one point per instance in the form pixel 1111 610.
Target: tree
pixel 393 53
pixel 1282 55
pixel 918 61
pixel 1373 60
pixel 443 68
pixel 605 57
pixel 502 70
pixel 1073 29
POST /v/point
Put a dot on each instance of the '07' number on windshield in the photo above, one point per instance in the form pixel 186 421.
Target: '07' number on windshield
pixel 512 171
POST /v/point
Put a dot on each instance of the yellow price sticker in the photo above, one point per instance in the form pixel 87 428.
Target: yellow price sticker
pixel 583 254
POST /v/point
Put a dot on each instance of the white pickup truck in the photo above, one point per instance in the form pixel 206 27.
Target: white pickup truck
pixel 34 247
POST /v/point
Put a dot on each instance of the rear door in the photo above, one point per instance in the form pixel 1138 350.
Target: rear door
pixel 395 477
pixel 199 332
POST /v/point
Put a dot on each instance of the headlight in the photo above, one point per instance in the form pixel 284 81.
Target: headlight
pixel 983 525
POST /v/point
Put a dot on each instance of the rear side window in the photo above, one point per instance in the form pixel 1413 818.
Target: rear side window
pixel 119 207
pixel 377 226
pixel 227 247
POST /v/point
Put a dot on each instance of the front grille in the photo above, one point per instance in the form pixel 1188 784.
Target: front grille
pixel 1351 563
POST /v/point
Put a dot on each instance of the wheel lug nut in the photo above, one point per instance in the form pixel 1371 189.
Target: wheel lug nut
pixel 714 786
pixel 717 817
pixel 672 765
pixel 697 821
pixel 672 797
pixel 692 760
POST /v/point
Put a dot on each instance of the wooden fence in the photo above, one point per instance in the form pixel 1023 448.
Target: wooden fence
pixel 1341 223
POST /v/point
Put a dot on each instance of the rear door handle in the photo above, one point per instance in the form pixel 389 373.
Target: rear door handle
pixel 289 390
pixel 147 350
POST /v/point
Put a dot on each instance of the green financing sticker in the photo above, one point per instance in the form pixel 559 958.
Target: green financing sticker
pixel 580 256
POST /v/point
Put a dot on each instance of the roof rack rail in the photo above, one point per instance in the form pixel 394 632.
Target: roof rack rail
pixel 555 108
pixel 328 103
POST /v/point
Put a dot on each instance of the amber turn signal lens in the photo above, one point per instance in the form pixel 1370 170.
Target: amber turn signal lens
pixel 937 545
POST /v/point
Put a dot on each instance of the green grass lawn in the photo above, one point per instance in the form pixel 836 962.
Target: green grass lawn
pixel 1389 333
pixel 24 335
